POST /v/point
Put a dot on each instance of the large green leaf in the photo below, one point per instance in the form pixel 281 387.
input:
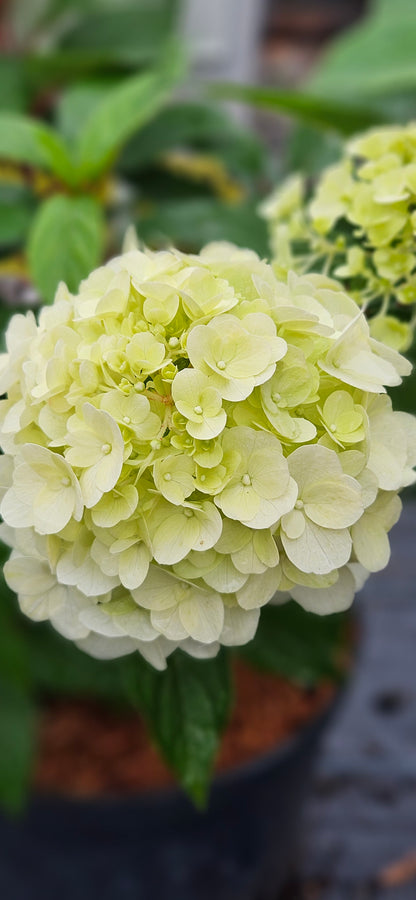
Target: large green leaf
pixel 375 57
pixel 65 243
pixel 122 28
pixel 26 140
pixel 193 222
pixel 129 33
pixel 61 68
pixel 76 105
pixel 125 109
pixel 343 115
pixel 299 645
pixel 186 708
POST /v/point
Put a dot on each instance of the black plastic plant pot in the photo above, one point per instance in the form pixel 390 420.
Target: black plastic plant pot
pixel 156 846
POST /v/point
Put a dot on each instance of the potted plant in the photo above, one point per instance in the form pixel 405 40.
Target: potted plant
pixel 190 442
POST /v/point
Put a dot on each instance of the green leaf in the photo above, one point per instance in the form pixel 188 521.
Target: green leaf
pixel 375 57
pixel 343 116
pixel 310 150
pixel 76 105
pixel 59 668
pixel 404 396
pixel 125 109
pixel 17 719
pixel 12 84
pixel 199 126
pixel 65 243
pixel 298 645
pixel 16 212
pixel 14 666
pixel 17 744
pixel 193 222
pixel 130 33
pixel 14 224
pixel 25 140
pixel 186 708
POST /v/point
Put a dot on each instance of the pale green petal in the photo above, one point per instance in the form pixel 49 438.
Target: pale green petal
pixel 115 506
pixel 168 622
pixel 306 465
pixel 174 538
pixel 318 550
pixel 333 503
pixel 238 501
pixel 40 607
pixel 240 626
pixel 85 575
pixel 371 544
pixel 66 620
pixel 325 601
pixel 234 537
pixel 272 510
pixel 134 566
pixel 225 578
pixel 159 591
pixel 29 576
pixel 203 617
pixel 293 524
pixel 101 647
pixel 14 511
pixel 98 619
pixel 259 589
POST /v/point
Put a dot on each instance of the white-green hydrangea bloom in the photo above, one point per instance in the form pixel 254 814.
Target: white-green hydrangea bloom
pixel 358 224
pixel 189 438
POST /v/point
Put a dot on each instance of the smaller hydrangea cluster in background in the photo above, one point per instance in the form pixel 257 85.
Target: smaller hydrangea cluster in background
pixel 357 223
pixel 189 438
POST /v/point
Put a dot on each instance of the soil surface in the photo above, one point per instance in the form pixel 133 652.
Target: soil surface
pixel 86 748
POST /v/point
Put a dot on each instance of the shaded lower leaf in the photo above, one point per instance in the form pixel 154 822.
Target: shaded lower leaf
pixel 17 744
pixel 17 713
pixel 297 644
pixel 193 222
pixel 310 149
pixel 186 708
pixel 14 657
pixel 16 214
pixel 58 667
pixel 205 127
pixel 65 243
pixel 13 89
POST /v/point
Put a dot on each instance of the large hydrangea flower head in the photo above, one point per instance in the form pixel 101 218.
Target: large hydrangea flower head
pixel 189 438
pixel 357 223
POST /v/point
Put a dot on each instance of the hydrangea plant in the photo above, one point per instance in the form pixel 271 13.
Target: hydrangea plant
pixel 188 439
pixel 358 223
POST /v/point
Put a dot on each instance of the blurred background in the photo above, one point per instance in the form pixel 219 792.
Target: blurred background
pixel 123 112
pixel 168 156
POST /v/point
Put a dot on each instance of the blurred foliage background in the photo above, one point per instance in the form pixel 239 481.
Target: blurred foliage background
pixel 103 125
